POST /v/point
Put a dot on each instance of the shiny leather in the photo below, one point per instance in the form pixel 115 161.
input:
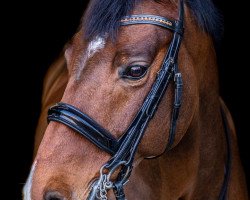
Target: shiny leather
pixel 84 125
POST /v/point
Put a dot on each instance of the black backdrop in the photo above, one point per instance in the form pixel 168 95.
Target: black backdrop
pixel 34 34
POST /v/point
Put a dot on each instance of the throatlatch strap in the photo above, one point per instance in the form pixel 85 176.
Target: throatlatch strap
pixel 223 193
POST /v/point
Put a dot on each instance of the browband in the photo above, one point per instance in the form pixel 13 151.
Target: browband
pixel 173 25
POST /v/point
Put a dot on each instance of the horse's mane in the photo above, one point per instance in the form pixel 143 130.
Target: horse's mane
pixel 103 16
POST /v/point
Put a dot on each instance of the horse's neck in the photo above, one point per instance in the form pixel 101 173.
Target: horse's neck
pixel 209 150
pixel 202 155
pixel 195 168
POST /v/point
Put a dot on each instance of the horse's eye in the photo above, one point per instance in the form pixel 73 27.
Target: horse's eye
pixel 135 72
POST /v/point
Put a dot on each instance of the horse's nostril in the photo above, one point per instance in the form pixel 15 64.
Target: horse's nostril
pixel 54 195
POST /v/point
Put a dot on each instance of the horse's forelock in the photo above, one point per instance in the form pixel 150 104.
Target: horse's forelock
pixel 103 16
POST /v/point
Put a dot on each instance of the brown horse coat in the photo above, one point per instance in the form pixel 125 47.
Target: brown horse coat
pixel 66 163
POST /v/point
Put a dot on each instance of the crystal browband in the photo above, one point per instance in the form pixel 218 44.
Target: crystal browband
pixel 151 19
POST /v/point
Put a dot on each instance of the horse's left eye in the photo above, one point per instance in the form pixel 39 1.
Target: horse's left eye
pixel 135 72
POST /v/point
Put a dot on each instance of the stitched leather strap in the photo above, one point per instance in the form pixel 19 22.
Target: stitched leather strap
pixel 83 124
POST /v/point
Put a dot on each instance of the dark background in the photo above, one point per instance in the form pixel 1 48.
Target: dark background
pixel 35 33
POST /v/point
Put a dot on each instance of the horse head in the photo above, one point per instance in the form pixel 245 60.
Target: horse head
pixel 113 65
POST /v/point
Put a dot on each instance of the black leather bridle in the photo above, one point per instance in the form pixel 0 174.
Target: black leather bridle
pixel 123 149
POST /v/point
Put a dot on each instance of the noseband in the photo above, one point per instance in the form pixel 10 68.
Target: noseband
pixel 123 149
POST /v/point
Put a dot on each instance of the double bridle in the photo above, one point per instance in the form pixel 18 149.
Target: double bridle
pixel 123 149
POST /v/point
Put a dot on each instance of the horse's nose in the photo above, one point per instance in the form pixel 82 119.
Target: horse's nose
pixel 54 195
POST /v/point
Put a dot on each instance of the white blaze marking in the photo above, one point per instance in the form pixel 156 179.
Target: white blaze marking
pixel 28 186
pixel 94 46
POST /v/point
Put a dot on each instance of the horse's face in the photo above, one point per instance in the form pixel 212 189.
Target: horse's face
pixel 109 81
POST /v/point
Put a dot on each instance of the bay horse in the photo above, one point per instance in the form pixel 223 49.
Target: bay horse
pixel 140 112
